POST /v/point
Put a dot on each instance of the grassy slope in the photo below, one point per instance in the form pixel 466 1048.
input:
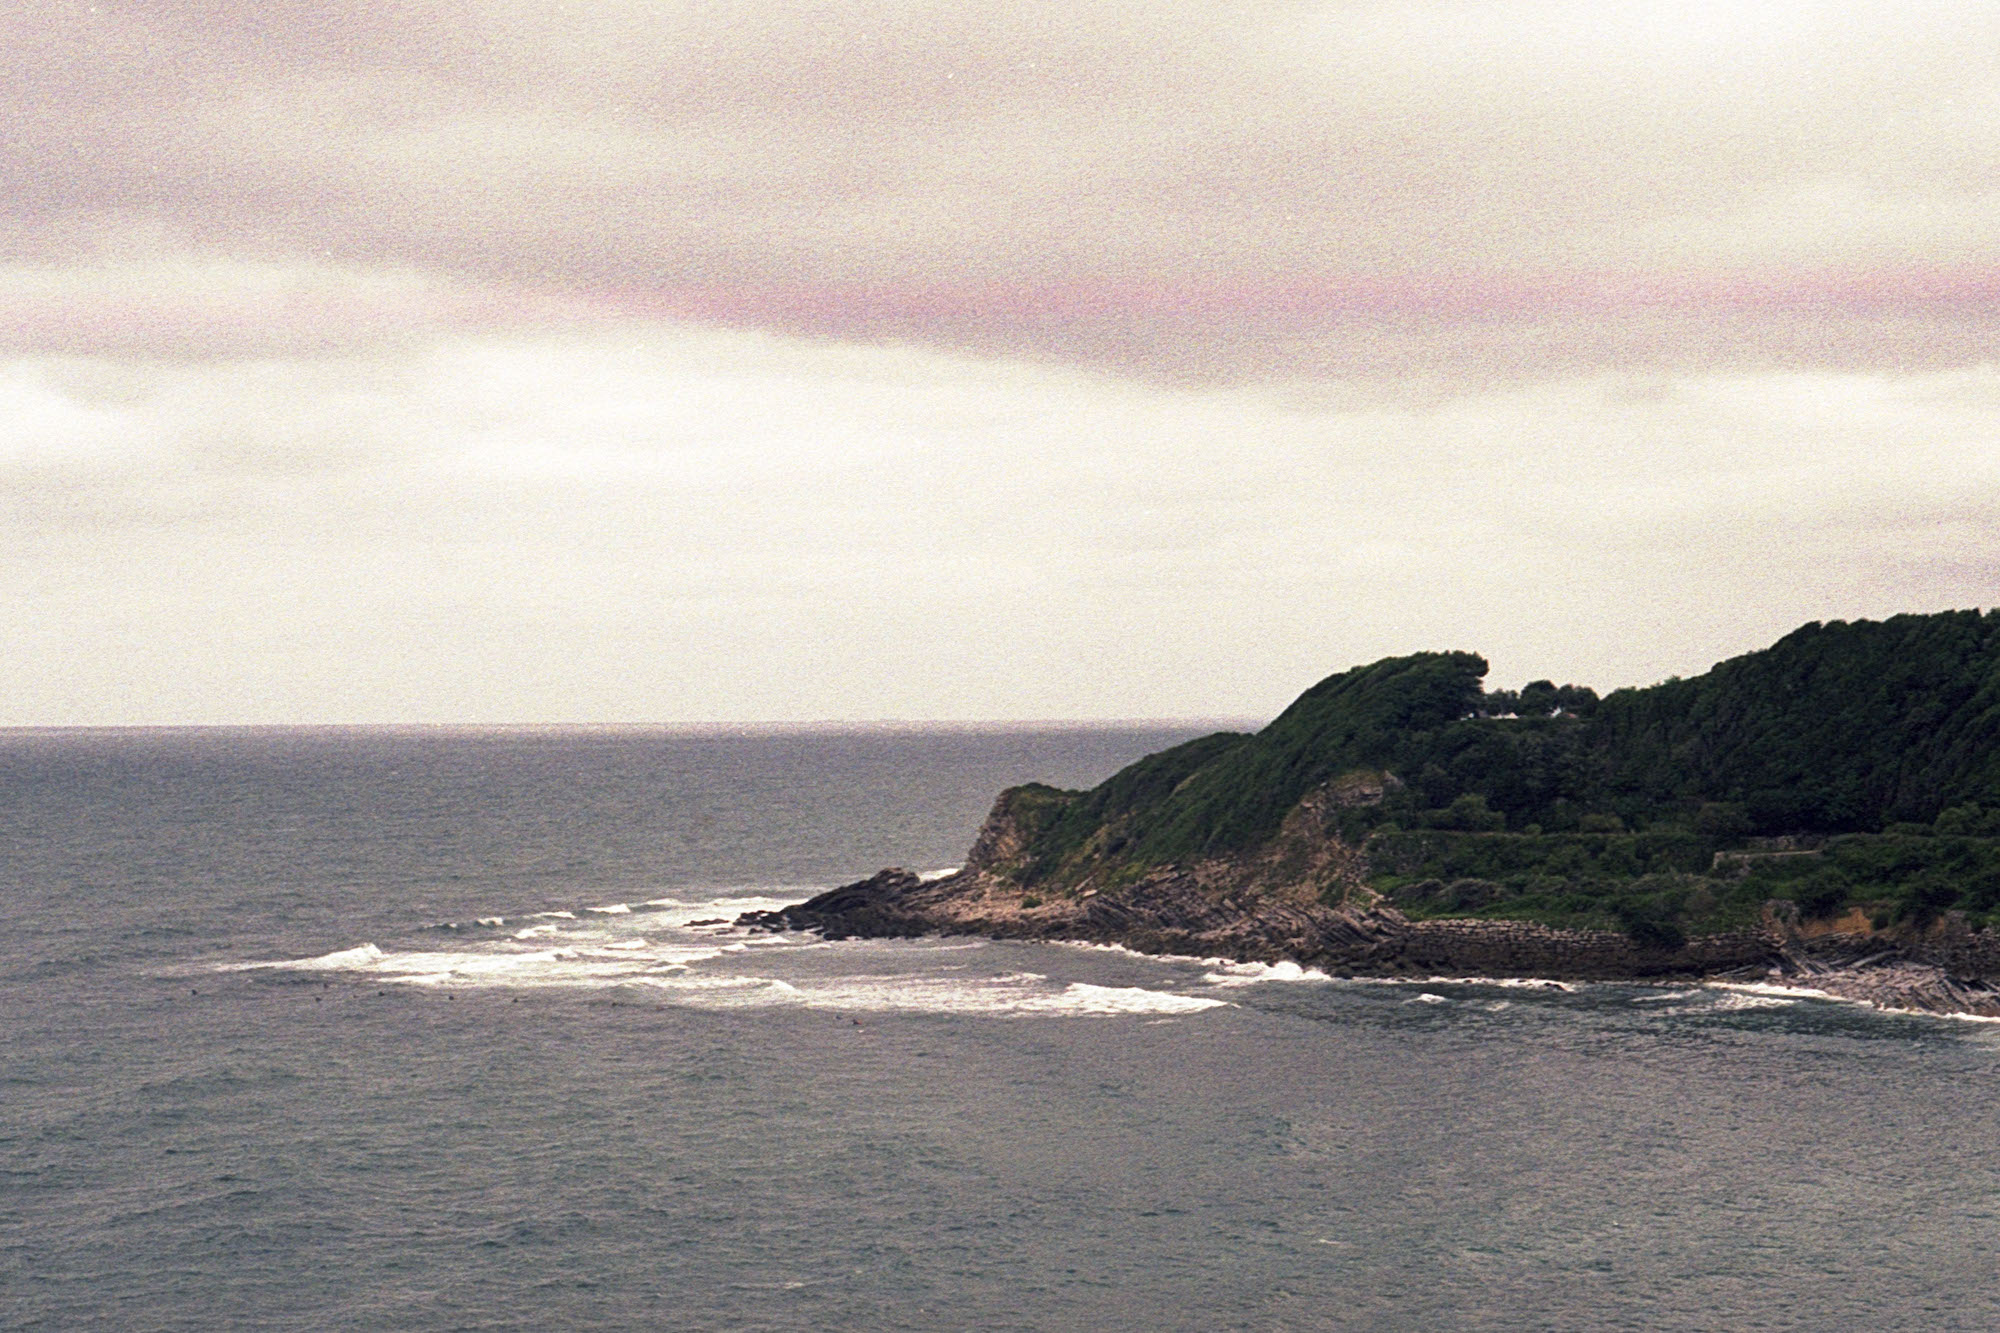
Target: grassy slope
pixel 1839 729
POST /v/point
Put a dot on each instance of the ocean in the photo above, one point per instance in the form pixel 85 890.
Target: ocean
pixel 447 1029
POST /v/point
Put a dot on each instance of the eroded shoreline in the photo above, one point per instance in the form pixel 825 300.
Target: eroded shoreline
pixel 1174 915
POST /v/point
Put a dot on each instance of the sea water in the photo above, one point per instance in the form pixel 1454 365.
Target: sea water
pixel 451 1030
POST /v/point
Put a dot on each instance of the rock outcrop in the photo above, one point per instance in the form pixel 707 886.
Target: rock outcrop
pixel 1944 970
pixel 1176 913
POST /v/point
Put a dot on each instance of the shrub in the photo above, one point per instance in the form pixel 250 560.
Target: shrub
pixel 1464 895
pixel 1469 814
pixel 1822 893
pixel 1924 897
pixel 1722 819
pixel 1648 925
pixel 1968 820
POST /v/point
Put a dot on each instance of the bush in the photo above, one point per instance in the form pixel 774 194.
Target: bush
pixel 1649 925
pixel 1464 895
pixel 1412 893
pixel 1722 819
pixel 1969 821
pixel 1821 894
pixel 1468 814
pixel 1924 897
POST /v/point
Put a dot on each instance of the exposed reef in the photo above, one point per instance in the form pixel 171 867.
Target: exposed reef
pixel 1945 971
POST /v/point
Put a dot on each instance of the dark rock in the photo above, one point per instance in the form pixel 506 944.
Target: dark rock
pixel 869 907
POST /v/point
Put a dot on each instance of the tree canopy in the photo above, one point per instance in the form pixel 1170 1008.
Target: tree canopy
pixel 1844 727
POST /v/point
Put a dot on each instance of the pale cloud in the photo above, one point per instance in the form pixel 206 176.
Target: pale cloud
pixel 660 522
pixel 1221 193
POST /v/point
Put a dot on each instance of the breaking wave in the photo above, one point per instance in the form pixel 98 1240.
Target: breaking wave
pixel 1251 974
pixel 687 951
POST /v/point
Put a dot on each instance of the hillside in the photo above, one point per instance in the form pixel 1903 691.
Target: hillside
pixel 1869 751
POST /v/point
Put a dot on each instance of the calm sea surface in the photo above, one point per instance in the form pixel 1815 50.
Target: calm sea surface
pixel 425 1030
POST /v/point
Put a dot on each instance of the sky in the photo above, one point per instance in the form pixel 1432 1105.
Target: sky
pixel 654 361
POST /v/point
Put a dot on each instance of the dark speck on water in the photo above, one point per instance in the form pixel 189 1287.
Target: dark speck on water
pixel 638 1118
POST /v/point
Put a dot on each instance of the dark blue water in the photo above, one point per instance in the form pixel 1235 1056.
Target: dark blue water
pixel 329 1030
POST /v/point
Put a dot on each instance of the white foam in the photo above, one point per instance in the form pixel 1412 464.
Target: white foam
pixel 1805 993
pixel 594 964
pixel 1426 997
pixel 1960 1018
pixel 1496 983
pixel 945 873
pixel 698 985
pixel 492 920
pixel 1025 994
pixel 1096 947
pixel 1792 994
pixel 679 913
pixel 1740 1001
pixel 656 948
pixel 1763 988
pixel 340 960
pixel 1083 998
pixel 1251 974
pixel 1503 983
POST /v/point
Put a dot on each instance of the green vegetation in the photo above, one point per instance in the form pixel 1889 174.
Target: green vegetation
pixel 1850 764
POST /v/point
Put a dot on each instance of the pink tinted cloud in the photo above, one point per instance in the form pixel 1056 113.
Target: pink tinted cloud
pixel 196 311
pixel 832 306
pixel 1223 323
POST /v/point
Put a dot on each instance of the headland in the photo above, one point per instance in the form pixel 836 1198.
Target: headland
pixel 1824 814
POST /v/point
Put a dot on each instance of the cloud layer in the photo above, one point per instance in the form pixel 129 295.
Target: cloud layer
pixel 862 358
pixel 1199 192
pixel 735 526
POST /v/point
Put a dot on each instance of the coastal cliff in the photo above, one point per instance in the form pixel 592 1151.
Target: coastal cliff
pixel 1823 814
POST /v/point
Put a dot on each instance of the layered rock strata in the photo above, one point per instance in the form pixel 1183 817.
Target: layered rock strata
pixel 1171 914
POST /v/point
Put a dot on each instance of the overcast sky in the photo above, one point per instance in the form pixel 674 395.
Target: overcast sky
pixel 676 360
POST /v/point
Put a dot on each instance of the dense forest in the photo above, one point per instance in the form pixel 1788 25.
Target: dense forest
pixel 1851 764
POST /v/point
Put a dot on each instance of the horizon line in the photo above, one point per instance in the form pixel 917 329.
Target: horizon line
pixel 698 728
